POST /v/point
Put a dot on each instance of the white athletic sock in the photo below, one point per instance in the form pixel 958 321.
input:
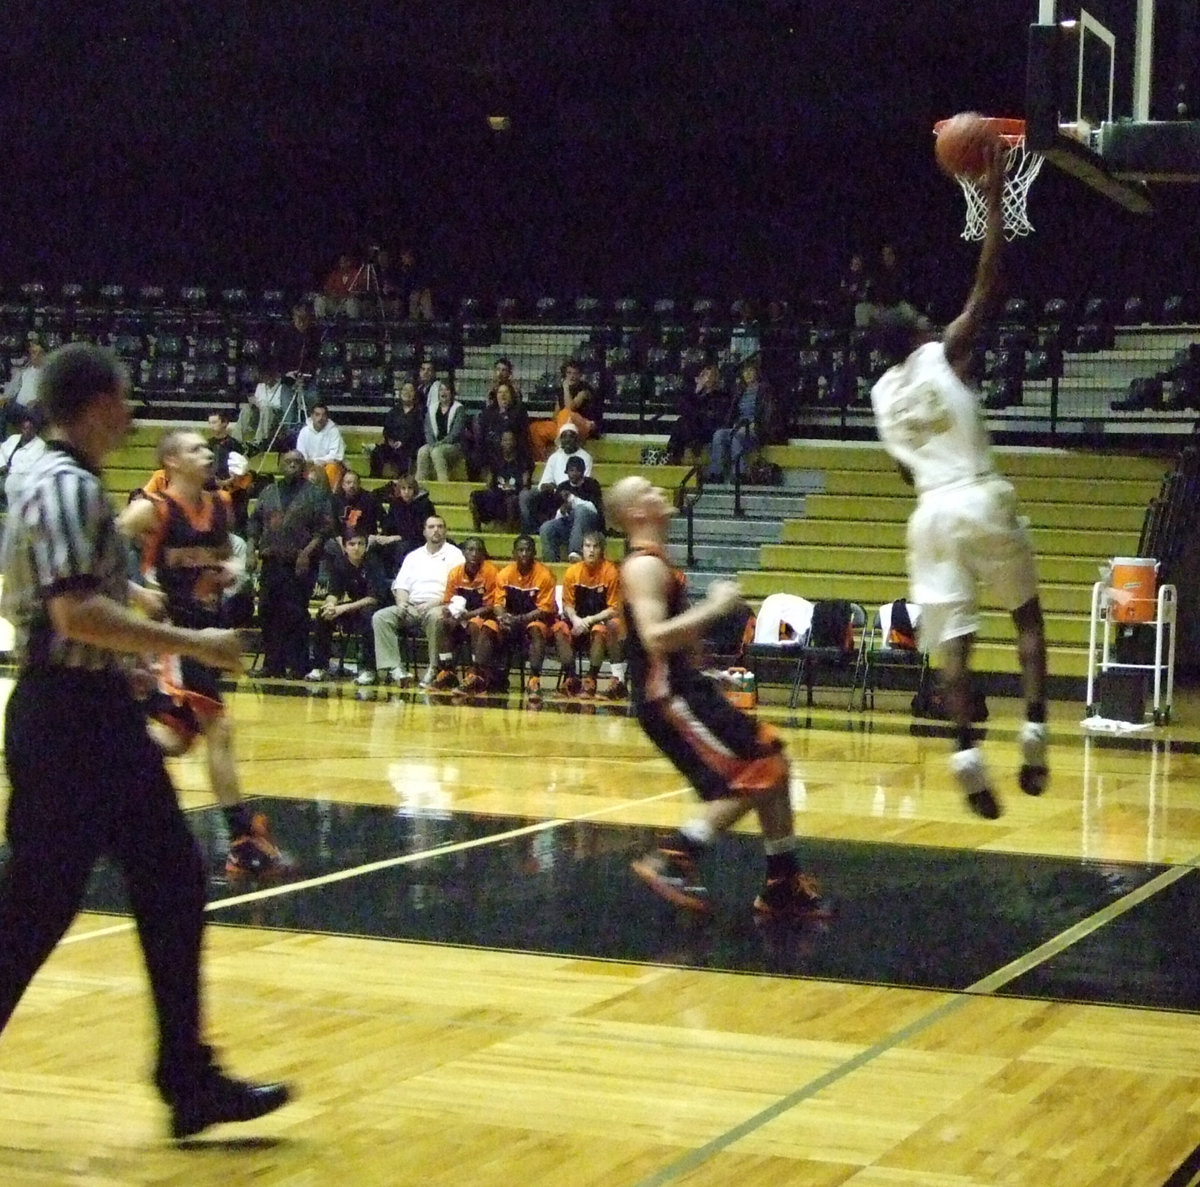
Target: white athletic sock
pixel 969 770
pixel 698 831
pixel 618 671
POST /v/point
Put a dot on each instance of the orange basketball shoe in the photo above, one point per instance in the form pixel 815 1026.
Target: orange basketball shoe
pixel 255 853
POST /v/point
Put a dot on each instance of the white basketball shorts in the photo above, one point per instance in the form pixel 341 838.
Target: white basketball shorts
pixel 962 538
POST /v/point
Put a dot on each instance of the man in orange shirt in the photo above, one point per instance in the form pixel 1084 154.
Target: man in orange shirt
pixel 591 620
pixel 525 611
pixel 470 601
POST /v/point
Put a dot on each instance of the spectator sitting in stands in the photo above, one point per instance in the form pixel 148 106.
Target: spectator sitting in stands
pixel 337 297
pixel 259 415
pixel 299 352
pixel 19 452
pixel 403 525
pixel 419 589
pixel 580 510
pixel 510 475
pixel 889 290
pixel 443 430
pixel 358 586
pixel 591 621
pixel 469 601
pixel 320 443
pixel 745 428
pixel 428 386
pixel 524 617
pixel 502 372
pixel 230 470
pixel 854 292
pixel 700 416
pixel 414 286
pixel 502 413
pixel 539 505
pixel 573 399
pixel 355 513
pixel 21 390
pixel 403 435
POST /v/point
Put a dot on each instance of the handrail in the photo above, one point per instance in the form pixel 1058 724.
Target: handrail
pixel 685 500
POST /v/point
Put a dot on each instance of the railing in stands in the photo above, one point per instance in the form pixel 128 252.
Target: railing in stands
pixel 1170 519
pixel 687 494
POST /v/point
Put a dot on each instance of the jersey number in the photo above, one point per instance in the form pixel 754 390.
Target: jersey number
pixel 916 415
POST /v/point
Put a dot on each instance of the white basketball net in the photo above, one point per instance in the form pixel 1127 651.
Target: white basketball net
pixel 1021 167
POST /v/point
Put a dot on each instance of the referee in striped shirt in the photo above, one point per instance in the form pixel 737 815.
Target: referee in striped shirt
pixel 85 778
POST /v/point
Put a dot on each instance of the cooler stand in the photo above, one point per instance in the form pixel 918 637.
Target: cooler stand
pixel 1164 641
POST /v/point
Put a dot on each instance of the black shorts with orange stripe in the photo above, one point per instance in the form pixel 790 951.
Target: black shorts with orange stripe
pixel 188 698
pixel 723 752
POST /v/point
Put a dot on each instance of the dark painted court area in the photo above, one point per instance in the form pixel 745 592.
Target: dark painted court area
pixel 925 917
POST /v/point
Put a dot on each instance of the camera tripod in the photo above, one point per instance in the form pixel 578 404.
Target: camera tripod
pixel 293 413
pixel 368 277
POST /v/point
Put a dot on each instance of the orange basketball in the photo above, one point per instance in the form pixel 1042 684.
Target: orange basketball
pixel 964 145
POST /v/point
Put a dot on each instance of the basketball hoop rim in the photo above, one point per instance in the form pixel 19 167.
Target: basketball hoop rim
pixel 1011 131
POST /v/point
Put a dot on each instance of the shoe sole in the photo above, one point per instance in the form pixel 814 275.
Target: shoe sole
pixel 666 890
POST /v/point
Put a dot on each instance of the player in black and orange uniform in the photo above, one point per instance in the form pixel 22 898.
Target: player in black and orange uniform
pixel 470 601
pixel 525 610
pixel 184 536
pixel 591 620
pixel 735 763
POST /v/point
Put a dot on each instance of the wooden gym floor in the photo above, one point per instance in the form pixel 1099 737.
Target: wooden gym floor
pixel 467 986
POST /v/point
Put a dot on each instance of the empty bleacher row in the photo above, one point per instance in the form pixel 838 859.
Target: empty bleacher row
pixel 1054 367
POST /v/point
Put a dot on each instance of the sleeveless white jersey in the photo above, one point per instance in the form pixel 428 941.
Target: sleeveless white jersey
pixel 929 420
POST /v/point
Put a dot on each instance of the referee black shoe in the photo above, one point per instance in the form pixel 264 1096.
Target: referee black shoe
pixel 217 1098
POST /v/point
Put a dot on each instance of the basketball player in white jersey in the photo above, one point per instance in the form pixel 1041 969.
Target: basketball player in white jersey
pixel 964 532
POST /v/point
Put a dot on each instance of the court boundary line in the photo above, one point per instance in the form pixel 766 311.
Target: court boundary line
pixel 986 986
pixel 388 863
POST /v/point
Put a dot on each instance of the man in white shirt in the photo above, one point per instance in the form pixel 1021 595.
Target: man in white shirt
pixel 419 590
pixel 429 386
pixel 260 414
pixel 540 503
pixel 321 444
pixel 18 454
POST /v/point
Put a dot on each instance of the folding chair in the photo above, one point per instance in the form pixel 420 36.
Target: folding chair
pixel 831 643
pixel 781 628
pixel 793 615
pixel 876 652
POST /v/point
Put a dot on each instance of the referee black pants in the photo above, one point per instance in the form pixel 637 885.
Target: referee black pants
pixel 86 781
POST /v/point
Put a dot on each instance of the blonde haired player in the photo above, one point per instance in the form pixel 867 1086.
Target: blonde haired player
pixel 735 763
pixel 964 532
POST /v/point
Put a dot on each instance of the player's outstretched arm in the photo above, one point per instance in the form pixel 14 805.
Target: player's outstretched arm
pixel 959 339
pixel 90 617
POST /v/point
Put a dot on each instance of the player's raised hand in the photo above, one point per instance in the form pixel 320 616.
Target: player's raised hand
pixel 725 595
